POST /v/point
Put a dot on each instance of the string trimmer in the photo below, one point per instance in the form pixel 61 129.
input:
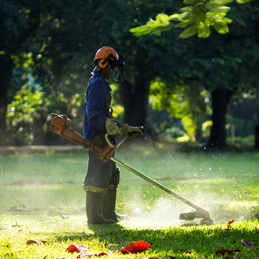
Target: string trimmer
pixel 60 125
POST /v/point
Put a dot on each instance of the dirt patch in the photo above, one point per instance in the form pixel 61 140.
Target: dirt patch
pixel 38 148
pixel 26 182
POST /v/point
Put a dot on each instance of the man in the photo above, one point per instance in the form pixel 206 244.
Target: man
pixel 102 178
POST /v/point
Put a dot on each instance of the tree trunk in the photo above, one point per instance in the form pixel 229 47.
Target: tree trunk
pixel 135 102
pixel 220 101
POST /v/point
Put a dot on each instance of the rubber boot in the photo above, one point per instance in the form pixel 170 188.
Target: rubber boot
pixel 94 207
pixel 109 206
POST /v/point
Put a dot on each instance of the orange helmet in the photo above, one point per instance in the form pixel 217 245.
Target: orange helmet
pixel 105 54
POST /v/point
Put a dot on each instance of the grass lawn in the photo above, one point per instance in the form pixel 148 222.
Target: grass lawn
pixel 42 199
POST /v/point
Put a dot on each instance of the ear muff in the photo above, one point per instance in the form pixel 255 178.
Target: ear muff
pixel 103 63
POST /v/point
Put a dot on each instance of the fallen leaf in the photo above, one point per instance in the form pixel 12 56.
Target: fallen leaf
pixel 74 248
pixel 236 251
pixel 248 244
pixel 12 253
pixel 119 239
pixel 30 242
pixel 18 208
pixel 112 245
pixel 64 217
pixel 229 223
pixel 16 225
pixel 223 251
pixel 135 247
pixel 13 208
pixel 189 252
pixel 89 255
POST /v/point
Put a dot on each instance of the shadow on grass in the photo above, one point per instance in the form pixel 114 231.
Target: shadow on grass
pixel 173 241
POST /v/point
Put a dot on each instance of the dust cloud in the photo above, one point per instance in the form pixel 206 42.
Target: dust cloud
pixel 167 210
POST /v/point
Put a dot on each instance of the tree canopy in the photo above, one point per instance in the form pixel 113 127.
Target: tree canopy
pixel 221 64
pixel 196 18
pixel 48 51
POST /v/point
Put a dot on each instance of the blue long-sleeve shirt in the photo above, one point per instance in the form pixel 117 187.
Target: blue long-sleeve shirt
pixel 96 109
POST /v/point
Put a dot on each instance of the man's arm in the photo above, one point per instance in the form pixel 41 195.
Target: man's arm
pixel 96 98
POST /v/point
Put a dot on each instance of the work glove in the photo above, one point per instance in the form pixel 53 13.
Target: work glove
pixel 114 127
pixel 130 131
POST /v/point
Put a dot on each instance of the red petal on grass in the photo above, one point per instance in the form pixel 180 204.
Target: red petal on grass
pixel 189 252
pixel 74 248
pixel 248 244
pixel 229 223
pixel 223 251
pixel 135 247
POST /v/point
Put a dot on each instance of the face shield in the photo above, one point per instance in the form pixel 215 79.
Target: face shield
pixel 117 69
pixel 116 66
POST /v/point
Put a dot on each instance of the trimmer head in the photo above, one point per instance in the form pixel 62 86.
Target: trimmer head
pixel 199 213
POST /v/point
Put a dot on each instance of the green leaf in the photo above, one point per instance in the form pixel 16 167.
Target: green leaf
pixel 218 3
pixel 221 27
pixel 203 31
pixel 190 31
pixel 186 9
pixel 141 30
pixel 174 17
pixel 162 18
pixel 221 9
pixel 243 1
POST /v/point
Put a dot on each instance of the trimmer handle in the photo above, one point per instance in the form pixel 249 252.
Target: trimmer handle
pixel 112 145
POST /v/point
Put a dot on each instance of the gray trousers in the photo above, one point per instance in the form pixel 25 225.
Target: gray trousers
pixel 100 176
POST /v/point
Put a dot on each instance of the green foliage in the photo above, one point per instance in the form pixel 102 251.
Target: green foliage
pixel 175 132
pixel 51 51
pixel 28 115
pixel 196 18
pixel 162 23
pixel 21 113
pixel 206 128
pixel 183 102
